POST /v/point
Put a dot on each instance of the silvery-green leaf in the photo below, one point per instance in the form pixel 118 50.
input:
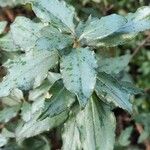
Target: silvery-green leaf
pixel 2 26
pixel 54 38
pixel 110 90
pixel 93 128
pixel 8 113
pixel 45 86
pixel 7 43
pixel 72 133
pixel 26 111
pixel 113 65
pixel 78 73
pixel 136 22
pixel 29 110
pixel 7 133
pixel 12 3
pixel 3 140
pixel 60 101
pixel 55 11
pixel 35 127
pixel 100 28
pixel 15 98
pixel 26 69
pixel 97 125
pixel 25 33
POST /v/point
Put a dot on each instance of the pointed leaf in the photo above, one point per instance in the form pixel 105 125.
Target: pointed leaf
pixel 25 33
pixel 71 132
pixel 55 11
pixel 26 69
pixel 35 127
pixel 60 101
pixel 110 90
pixel 44 87
pixel 93 127
pixel 97 125
pixel 113 65
pixel 100 28
pixel 54 38
pixel 78 72
pixel 136 22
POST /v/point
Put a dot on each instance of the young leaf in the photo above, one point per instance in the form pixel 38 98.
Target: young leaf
pixel 109 89
pixel 136 22
pixel 2 26
pixel 25 33
pixel 27 69
pixel 78 72
pixel 113 65
pixel 54 11
pixel 60 101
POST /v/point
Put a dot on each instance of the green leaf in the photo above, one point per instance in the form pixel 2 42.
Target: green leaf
pixel 44 87
pixel 97 125
pixel 71 132
pixel 110 90
pixel 7 43
pixel 113 65
pixel 8 113
pixel 100 28
pixel 136 22
pixel 2 26
pixel 78 72
pixel 124 137
pixel 25 33
pixel 3 140
pixel 55 11
pixel 27 70
pixel 4 3
pixel 54 38
pixel 15 98
pixel 35 127
pixel 28 111
pixel 93 128
pixel 37 143
pixel 60 101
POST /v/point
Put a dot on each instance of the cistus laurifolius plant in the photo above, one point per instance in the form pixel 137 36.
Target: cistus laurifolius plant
pixel 56 75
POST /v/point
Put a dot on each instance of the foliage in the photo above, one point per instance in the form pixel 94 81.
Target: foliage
pixel 56 76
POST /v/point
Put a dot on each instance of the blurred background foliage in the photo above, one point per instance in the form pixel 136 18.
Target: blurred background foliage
pixel 133 132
